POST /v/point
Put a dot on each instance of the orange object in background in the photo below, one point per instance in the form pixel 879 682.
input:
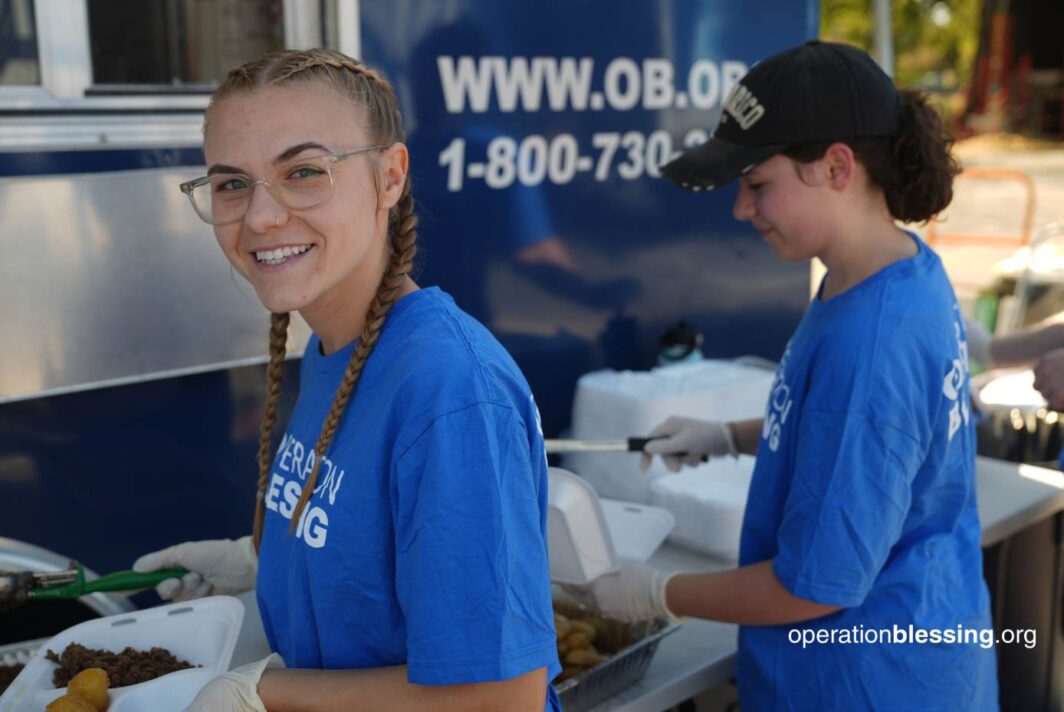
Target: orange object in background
pixel 1019 239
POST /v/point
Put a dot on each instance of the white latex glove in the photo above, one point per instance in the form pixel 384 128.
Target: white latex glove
pixel 979 340
pixel 220 566
pixel 236 690
pixel 635 593
pixel 1049 378
pixel 688 442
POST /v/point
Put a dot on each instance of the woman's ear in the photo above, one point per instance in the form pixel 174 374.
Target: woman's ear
pixel 841 165
pixel 395 162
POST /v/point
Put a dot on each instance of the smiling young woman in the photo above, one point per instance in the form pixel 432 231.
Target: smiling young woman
pixel 399 544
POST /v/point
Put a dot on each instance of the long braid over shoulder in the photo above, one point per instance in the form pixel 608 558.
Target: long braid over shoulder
pixel 274 372
pixel 383 124
pixel 404 249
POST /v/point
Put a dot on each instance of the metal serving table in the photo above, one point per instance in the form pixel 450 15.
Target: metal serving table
pixel 701 654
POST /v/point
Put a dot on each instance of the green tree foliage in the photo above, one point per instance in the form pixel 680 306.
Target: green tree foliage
pixel 935 41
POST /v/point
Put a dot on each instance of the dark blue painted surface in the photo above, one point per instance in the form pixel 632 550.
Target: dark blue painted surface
pixel 37 163
pixel 646 253
pixel 106 475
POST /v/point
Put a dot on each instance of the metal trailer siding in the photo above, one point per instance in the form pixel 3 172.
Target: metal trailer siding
pixel 139 290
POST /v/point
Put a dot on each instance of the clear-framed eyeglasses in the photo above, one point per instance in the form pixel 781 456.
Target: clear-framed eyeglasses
pixel 299 184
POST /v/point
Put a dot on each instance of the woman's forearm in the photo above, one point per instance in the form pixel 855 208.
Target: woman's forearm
pixel 1026 346
pixel 746 434
pixel 749 595
pixel 384 689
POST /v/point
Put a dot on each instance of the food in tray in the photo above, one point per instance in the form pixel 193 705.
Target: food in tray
pixel 91 685
pixel 576 642
pixel 87 692
pixel 70 703
pixel 128 667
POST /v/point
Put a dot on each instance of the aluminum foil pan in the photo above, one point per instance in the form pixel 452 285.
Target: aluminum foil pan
pixel 635 645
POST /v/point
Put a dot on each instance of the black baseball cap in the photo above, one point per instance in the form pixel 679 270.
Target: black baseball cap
pixel 815 92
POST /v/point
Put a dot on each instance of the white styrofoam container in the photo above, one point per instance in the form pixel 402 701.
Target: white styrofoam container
pixel 610 405
pixel 708 502
pixel 203 632
pixel 578 539
pixel 637 530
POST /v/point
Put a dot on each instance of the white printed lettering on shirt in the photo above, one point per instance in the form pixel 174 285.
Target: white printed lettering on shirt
pixel 779 405
pixel 292 490
pixel 273 491
pixel 954 382
pixel 283 494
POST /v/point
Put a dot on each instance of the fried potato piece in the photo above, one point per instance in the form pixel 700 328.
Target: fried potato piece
pixel 562 626
pixel 578 640
pixel 580 626
pixel 586 657
pixel 91 684
pixel 70 703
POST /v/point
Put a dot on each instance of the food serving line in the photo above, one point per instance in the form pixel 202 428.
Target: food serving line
pixel 701 654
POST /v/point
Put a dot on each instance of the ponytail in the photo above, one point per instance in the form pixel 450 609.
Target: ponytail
pixel 925 168
pixel 913 168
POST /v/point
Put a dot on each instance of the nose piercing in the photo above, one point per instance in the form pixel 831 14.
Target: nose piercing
pixel 277 220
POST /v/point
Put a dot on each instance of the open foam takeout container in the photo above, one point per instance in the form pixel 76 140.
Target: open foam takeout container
pixel 578 539
pixel 203 632
pixel 588 537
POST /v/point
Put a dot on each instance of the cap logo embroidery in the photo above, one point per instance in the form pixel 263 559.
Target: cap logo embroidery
pixel 744 107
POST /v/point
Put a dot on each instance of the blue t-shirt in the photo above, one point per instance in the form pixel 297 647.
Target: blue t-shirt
pixel 424 543
pixel 864 496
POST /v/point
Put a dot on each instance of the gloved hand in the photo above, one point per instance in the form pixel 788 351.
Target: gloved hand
pixel 635 593
pixel 687 441
pixel 222 566
pixel 1049 378
pixel 236 690
pixel 979 340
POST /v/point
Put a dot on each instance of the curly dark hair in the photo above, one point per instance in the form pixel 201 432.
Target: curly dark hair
pixel 914 169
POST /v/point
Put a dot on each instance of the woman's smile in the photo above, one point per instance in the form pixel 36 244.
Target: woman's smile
pixel 275 259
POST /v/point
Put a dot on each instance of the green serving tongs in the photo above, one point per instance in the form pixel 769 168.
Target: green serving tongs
pixel 118 581
pixel 22 586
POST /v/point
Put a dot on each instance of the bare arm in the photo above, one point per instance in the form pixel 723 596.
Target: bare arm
pixel 384 689
pixel 750 595
pixel 746 434
pixel 1026 346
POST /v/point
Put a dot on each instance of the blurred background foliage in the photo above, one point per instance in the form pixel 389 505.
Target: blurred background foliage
pixel 935 41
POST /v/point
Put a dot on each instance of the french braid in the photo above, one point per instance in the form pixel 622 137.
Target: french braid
pixel 274 373
pixel 380 107
pixel 402 260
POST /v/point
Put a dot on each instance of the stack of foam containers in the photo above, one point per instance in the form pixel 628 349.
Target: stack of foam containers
pixel 708 504
pixel 707 501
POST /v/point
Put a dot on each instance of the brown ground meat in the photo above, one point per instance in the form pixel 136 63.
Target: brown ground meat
pixel 8 673
pixel 126 668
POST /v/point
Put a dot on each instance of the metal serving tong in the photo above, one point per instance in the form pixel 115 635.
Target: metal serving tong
pixel 17 587
pixel 627 445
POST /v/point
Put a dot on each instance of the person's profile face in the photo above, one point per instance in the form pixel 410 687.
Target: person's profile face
pixel 785 209
pixel 295 258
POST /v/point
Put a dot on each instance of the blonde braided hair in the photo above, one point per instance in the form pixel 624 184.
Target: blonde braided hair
pixel 380 107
